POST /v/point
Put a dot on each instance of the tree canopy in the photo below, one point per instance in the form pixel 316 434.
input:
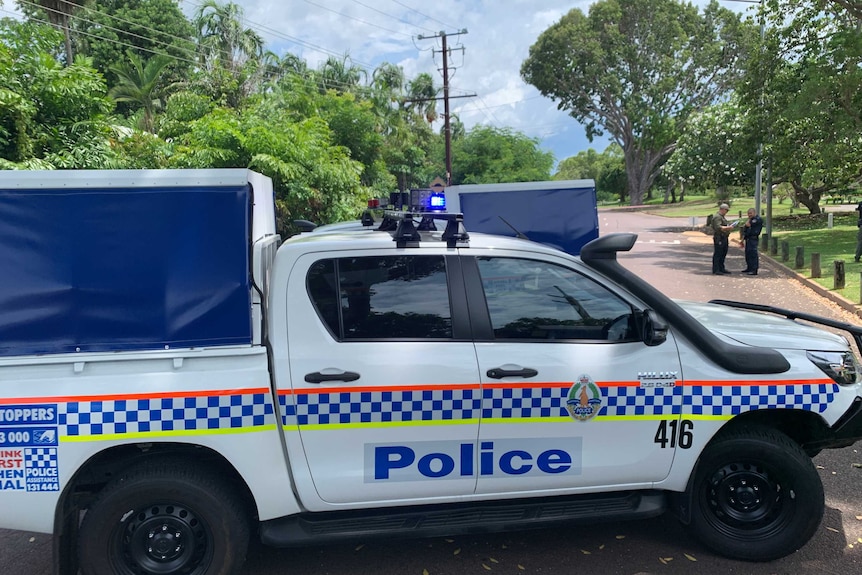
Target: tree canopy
pixel 150 88
pixel 637 70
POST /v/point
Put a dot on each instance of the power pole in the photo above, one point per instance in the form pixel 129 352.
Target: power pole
pixel 447 129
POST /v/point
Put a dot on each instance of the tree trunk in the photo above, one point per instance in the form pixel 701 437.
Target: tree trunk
pixel 68 41
pixel 641 170
pixel 808 197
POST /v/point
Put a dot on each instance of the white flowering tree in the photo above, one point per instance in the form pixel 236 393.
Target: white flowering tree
pixel 716 149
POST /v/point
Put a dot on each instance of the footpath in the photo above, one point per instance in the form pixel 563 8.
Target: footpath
pixel 676 258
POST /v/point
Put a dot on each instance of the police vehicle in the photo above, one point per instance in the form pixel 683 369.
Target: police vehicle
pixel 408 377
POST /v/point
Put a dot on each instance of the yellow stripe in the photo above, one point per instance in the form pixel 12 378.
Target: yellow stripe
pixel 171 433
pixel 709 417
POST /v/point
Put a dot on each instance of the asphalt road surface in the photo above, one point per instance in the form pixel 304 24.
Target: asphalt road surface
pixel 677 261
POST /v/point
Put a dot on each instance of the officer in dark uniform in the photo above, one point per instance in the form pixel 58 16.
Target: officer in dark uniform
pixel 751 237
pixel 859 233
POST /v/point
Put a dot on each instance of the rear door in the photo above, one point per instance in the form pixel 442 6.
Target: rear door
pixel 571 397
pixel 384 401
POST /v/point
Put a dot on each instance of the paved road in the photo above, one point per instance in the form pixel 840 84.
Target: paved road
pixel 678 262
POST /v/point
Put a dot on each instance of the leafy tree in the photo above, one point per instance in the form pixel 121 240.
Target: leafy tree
pixel 607 170
pixel 50 116
pixel 805 93
pixel 313 178
pixel 340 74
pixel 636 70
pixel 138 83
pixel 58 13
pixel 108 29
pixel 421 94
pixel 232 65
pixel 492 155
pixel 716 148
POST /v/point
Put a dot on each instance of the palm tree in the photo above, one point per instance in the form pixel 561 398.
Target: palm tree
pixel 421 95
pixel 340 74
pixel 138 83
pixel 224 37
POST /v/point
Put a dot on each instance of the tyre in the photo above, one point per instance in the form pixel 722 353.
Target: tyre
pixel 163 518
pixel 756 495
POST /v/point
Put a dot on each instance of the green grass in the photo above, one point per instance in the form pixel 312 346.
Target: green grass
pixel 797 228
pixel 838 243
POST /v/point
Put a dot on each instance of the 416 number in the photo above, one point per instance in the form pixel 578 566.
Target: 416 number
pixel 675 433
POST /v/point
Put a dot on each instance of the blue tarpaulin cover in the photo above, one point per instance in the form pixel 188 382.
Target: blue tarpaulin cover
pixel 115 269
pixel 564 217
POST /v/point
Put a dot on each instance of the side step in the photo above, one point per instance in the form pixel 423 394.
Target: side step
pixel 459 518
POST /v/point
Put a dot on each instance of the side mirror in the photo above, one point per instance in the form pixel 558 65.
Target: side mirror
pixel 653 328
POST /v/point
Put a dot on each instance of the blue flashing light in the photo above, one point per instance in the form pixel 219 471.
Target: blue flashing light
pixel 437 201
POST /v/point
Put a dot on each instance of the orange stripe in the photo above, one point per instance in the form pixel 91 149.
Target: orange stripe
pixel 756 382
pixel 132 396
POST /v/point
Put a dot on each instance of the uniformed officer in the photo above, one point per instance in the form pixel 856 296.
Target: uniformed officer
pixel 720 231
pixel 751 238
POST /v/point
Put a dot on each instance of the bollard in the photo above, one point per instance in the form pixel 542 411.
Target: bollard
pixel 829 219
pixel 838 282
pixel 800 256
pixel 785 251
pixel 815 265
pixel 764 242
pixel 773 247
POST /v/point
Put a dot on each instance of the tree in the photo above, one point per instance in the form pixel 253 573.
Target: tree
pixel 492 155
pixel 636 70
pixel 58 13
pixel 138 83
pixel 607 170
pixel 108 29
pixel 50 116
pixel 804 91
pixel 421 95
pixel 231 54
pixel 340 74
pixel 716 148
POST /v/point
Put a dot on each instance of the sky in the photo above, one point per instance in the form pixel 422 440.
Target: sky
pixel 485 61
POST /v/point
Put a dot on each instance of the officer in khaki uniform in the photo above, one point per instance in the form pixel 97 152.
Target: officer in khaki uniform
pixel 720 231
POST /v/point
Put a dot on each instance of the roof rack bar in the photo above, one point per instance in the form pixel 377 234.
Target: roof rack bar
pixel 455 231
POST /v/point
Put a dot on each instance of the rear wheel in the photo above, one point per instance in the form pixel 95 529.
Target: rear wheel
pixel 757 495
pixel 164 519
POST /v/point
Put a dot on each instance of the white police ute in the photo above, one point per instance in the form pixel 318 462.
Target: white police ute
pixel 410 378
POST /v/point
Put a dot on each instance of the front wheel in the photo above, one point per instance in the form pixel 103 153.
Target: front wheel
pixel 163 518
pixel 757 495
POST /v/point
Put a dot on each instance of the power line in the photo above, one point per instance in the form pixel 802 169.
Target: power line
pixel 391 16
pixel 356 19
pixel 421 14
pixel 294 40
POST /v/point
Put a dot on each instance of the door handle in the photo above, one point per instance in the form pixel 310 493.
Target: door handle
pixel 318 377
pixel 500 373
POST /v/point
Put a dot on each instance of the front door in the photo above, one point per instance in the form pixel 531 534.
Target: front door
pixel 571 396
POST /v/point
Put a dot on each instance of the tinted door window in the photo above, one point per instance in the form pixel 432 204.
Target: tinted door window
pixel 382 297
pixel 532 300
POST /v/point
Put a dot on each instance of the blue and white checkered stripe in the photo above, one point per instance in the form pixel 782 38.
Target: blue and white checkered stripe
pixel 545 402
pixel 128 416
pixel 381 406
pixel 735 399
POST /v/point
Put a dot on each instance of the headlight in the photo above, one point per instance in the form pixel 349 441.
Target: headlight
pixel 841 366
